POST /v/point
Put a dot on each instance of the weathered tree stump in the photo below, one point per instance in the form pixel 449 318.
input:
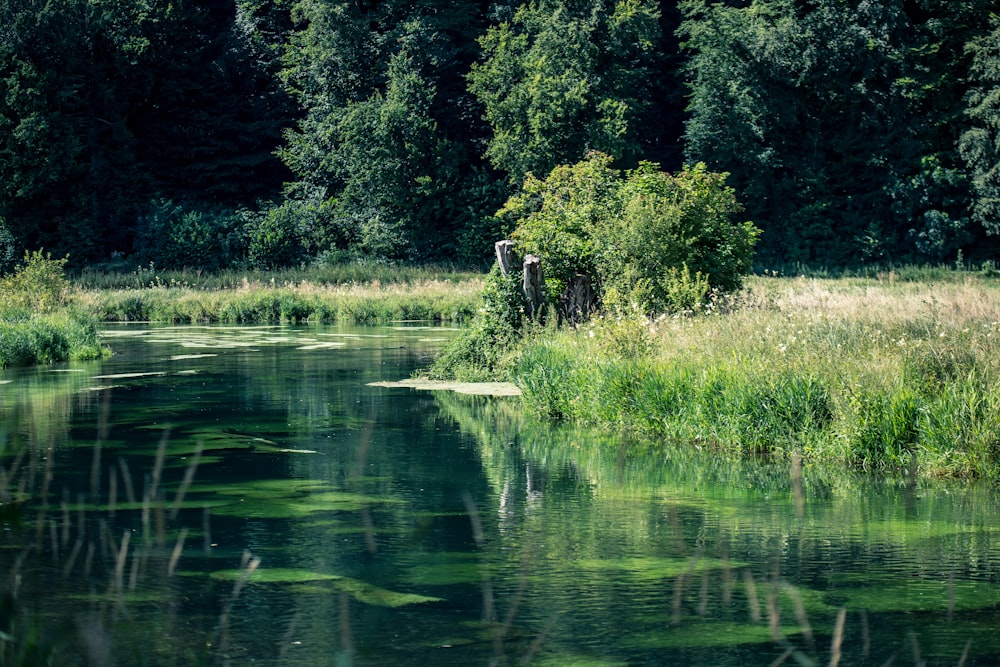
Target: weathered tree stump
pixel 576 302
pixel 505 255
pixel 533 285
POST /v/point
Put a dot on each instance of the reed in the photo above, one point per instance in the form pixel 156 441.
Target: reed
pixel 875 373
pixel 347 273
pixel 253 303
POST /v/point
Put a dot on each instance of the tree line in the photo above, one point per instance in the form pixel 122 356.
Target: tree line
pixel 273 132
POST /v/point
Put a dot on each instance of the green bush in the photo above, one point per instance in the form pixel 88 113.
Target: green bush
pixel 280 236
pixel 556 218
pixel 38 285
pixel 480 351
pixel 48 338
pixel 649 240
pixel 675 236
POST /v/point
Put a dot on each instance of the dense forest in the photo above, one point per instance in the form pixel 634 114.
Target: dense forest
pixel 211 133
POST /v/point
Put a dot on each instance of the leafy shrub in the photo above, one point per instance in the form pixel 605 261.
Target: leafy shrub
pixel 555 218
pixel 174 237
pixel 650 240
pixel 480 351
pixel 39 285
pixel 275 237
pixel 675 235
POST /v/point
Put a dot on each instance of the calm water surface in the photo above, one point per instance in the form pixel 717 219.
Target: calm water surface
pixel 223 495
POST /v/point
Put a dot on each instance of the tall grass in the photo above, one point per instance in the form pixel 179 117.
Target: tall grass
pixel 345 273
pixel 375 302
pixel 873 373
pixel 39 322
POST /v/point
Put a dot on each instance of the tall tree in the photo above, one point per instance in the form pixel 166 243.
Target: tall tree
pixel 67 70
pixel 105 104
pixel 836 119
pixel 213 112
pixel 389 135
pixel 563 77
pixel 980 144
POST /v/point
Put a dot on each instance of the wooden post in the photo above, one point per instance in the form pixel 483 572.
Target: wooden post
pixel 577 301
pixel 533 285
pixel 505 255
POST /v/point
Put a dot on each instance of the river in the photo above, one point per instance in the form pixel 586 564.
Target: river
pixel 244 495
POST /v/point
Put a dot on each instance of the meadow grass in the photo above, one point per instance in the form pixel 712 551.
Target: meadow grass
pixel 873 373
pixel 346 273
pixel 253 303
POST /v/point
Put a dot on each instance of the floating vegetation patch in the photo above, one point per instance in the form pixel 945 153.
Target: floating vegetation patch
pixel 426 328
pixel 656 568
pixel 570 659
pixel 274 575
pixel 706 634
pixel 917 595
pixel 127 376
pixel 472 388
pixel 448 569
pixel 359 336
pixel 287 499
pixel 327 345
pixel 306 581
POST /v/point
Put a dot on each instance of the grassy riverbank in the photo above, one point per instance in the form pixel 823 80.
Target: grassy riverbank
pixel 351 293
pixel 39 320
pixel 45 317
pixel 874 373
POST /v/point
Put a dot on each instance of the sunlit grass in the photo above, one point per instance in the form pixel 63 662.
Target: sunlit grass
pixel 873 373
pixel 254 303
pixel 143 277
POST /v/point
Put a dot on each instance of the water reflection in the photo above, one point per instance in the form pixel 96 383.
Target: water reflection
pixel 331 522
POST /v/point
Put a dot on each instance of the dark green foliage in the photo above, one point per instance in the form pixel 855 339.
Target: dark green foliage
pixel 838 122
pixel 854 131
pixel 106 105
pixel 9 251
pixel 171 236
pixel 387 136
pixel 481 351
pixel 560 79
pixel 980 144
pixel 276 237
